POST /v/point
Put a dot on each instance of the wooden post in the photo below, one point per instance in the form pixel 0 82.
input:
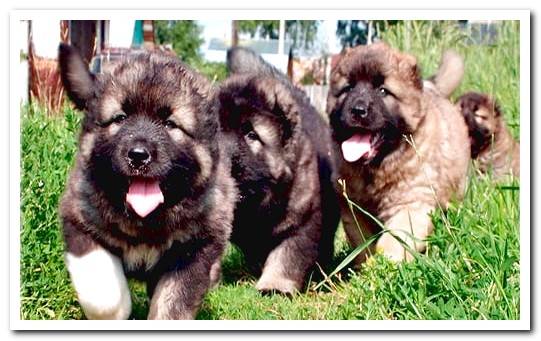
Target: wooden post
pixel 234 33
pixel 370 32
pixel 281 37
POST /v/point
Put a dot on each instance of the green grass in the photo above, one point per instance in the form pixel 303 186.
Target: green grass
pixel 470 270
pixel 489 68
pixel 215 71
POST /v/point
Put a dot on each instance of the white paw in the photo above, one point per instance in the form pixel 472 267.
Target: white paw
pixel 267 283
pixel 102 289
pixel 215 274
pixel 393 249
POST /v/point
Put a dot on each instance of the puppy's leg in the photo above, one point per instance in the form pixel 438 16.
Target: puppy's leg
pixel 411 224
pixel 216 273
pixel 179 291
pixel 287 264
pixel 97 276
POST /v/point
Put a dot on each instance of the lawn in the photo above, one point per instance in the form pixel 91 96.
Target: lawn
pixel 470 270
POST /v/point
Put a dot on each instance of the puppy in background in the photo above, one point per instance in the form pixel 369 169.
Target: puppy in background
pixel 492 145
pixel 287 213
pixel 150 195
pixel 404 147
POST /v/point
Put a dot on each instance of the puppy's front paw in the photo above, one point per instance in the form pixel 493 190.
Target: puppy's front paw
pixel 215 274
pixel 269 284
pixel 100 284
pixel 393 249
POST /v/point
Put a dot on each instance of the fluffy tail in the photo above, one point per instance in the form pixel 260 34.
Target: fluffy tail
pixel 449 74
pixel 242 60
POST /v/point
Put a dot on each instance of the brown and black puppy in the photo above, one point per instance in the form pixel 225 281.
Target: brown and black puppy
pixel 492 145
pixel 287 213
pixel 150 194
pixel 404 148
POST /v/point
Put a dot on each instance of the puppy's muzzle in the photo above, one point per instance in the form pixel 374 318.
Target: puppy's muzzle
pixel 139 156
pixel 359 111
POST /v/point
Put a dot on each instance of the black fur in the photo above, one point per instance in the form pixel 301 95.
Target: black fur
pixel 365 90
pixel 266 218
pixel 190 229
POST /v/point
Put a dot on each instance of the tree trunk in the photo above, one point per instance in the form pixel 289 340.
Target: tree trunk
pixel 234 33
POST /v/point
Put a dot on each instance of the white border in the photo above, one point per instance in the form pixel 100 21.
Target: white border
pixel 271 325
pixel 304 14
pixel 525 188
pixel 525 304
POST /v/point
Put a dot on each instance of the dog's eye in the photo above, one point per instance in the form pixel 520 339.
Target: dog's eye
pixel 170 124
pixel 249 133
pixel 252 135
pixel 119 117
pixel 383 91
pixel 480 115
pixel 345 90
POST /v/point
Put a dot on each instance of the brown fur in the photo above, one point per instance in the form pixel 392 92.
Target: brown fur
pixel 405 181
pixel 176 247
pixel 492 145
pixel 449 74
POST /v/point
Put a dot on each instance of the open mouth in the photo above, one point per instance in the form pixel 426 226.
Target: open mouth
pixel 144 195
pixel 361 146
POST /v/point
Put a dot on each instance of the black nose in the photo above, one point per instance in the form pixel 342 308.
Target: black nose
pixel 139 156
pixel 359 111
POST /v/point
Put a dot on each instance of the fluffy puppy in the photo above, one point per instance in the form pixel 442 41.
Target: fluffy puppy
pixel 492 145
pixel 150 194
pixel 287 213
pixel 404 147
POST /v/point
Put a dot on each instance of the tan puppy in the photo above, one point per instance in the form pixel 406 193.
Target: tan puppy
pixel 491 142
pixel 403 149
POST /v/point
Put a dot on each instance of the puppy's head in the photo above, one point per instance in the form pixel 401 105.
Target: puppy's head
pixel 374 98
pixel 260 115
pixel 481 114
pixel 147 132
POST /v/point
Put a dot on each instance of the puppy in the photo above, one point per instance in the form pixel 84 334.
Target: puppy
pixel 287 212
pixel 404 149
pixel 492 145
pixel 150 195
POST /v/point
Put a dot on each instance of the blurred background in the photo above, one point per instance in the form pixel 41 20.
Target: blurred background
pixel 305 50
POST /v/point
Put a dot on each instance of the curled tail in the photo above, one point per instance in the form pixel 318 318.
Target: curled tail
pixel 449 74
pixel 242 60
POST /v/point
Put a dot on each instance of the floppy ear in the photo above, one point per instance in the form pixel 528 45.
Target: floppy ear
pixel 407 65
pixel 496 107
pixel 76 77
pixel 280 100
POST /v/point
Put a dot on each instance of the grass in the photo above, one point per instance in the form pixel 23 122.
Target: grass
pixel 470 270
pixel 489 68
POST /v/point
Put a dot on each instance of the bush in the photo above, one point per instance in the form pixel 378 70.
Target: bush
pixel 184 35
pixel 215 71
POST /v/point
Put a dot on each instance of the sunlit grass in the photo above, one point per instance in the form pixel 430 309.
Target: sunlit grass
pixel 470 270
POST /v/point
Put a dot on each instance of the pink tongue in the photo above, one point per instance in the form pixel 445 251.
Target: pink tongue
pixel 355 147
pixel 144 196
